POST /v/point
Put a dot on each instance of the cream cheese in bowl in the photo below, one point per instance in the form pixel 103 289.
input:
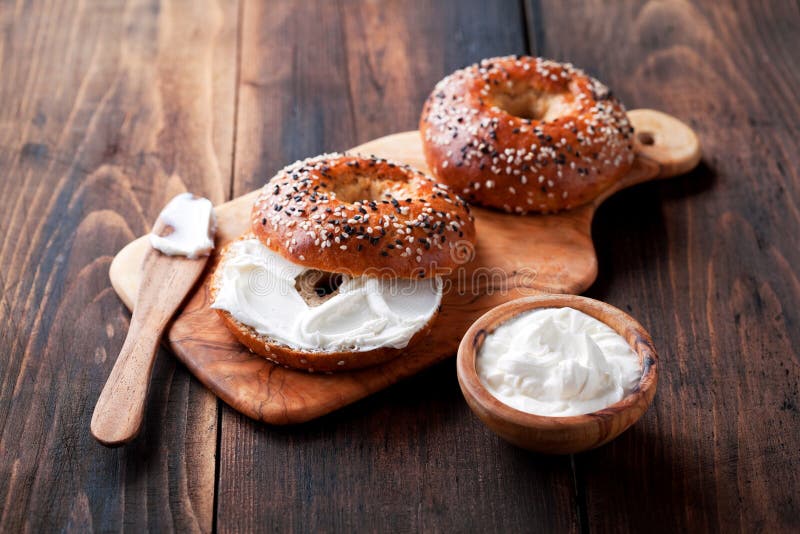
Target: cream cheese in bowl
pixel 557 362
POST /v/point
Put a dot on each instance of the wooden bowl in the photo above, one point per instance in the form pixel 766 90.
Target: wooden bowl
pixel 557 435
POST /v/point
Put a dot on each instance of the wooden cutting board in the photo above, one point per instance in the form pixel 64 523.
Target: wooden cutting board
pixel 515 256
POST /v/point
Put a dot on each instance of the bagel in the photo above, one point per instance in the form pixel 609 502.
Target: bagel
pixel 353 214
pixel 342 266
pixel 525 134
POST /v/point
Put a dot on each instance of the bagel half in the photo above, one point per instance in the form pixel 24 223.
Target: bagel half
pixel 301 359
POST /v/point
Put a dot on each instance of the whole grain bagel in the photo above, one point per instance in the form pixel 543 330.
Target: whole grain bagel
pixel 525 134
pixel 362 216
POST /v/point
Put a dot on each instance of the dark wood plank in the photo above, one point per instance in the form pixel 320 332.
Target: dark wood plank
pixel 707 263
pixel 320 76
pixel 106 110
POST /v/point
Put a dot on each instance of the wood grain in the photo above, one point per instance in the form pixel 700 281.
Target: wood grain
pixel 708 264
pixel 106 111
pixel 101 101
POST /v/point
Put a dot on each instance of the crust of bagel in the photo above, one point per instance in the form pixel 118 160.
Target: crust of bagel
pixel 414 227
pixel 310 361
pixel 495 159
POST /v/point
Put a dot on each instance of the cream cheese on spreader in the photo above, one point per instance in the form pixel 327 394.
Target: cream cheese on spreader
pixel 258 288
pixel 557 362
pixel 194 223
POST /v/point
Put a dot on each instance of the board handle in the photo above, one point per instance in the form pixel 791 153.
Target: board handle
pixel 666 141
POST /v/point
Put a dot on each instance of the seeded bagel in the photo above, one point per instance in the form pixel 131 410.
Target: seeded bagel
pixel 342 215
pixel 361 216
pixel 525 134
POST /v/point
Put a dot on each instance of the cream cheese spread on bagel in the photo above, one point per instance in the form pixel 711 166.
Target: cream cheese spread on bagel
pixel 262 290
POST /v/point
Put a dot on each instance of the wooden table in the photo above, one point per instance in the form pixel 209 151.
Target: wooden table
pixel 109 108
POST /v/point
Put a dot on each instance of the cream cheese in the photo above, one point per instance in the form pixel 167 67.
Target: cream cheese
pixel 194 223
pixel 257 287
pixel 557 362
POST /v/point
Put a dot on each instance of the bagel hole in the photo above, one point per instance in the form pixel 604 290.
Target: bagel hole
pixel 315 287
pixel 355 187
pixel 533 105
pixel 646 138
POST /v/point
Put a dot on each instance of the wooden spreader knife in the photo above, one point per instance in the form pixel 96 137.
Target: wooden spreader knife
pixel 166 281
